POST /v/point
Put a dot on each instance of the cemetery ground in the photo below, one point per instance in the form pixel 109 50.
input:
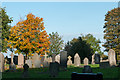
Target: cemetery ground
pixel 108 73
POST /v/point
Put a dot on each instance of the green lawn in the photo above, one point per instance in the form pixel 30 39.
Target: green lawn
pixel 43 72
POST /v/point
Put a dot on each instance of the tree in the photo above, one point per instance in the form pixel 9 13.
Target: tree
pixel 81 47
pixel 94 43
pixel 112 30
pixel 29 36
pixel 56 43
pixel 5 20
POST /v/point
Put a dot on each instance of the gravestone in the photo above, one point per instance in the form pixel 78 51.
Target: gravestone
pixel 25 72
pixel 77 60
pixel 87 69
pixel 93 60
pixel 1 62
pixel 12 66
pixel 45 62
pixel 53 57
pixel 20 60
pixel 54 69
pixel 49 59
pixel 29 62
pixel 104 64
pixel 111 57
pixel 85 61
pixel 69 62
pixel 57 58
pixel 36 61
pixel 97 58
pixel 63 60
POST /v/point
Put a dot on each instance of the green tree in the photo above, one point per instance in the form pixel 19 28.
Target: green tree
pixel 5 20
pixel 81 47
pixel 112 30
pixel 94 43
pixel 56 43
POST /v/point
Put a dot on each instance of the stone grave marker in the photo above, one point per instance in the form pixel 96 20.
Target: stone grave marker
pixel 12 66
pixel 54 69
pixel 57 58
pixel 85 61
pixel 111 57
pixel 1 62
pixel 87 69
pixel 77 60
pixel 97 58
pixel 49 59
pixel 25 73
pixel 69 62
pixel 36 61
pixel 20 60
pixel 63 59
pixel 29 62
pixel 93 60
pixel 45 63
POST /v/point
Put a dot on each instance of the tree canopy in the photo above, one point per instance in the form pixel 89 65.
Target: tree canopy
pixel 29 36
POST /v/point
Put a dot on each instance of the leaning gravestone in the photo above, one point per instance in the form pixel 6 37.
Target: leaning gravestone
pixel 69 62
pixel 54 69
pixel 111 57
pixel 85 61
pixel 1 62
pixel 97 58
pixel 36 61
pixel 20 60
pixel 57 58
pixel 63 60
pixel 87 69
pixel 77 60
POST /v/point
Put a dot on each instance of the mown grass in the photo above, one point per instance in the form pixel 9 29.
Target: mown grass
pixel 44 72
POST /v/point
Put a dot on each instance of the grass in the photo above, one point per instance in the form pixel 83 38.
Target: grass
pixel 43 72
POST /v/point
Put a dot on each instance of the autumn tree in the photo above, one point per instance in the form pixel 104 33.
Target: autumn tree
pixel 4 28
pixel 29 36
pixel 56 43
pixel 112 30
pixel 94 43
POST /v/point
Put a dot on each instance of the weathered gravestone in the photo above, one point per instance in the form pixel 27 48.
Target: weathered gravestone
pixel 12 66
pixel 69 62
pixel 97 58
pixel 1 62
pixel 93 60
pixel 25 72
pixel 87 69
pixel 36 61
pixel 85 61
pixel 29 62
pixel 54 69
pixel 77 60
pixel 49 59
pixel 111 57
pixel 20 61
pixel 57 58
pixel 63 60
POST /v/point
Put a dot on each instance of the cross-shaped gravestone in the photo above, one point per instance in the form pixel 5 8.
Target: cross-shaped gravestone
pixel 69 57
pixel 69 62
pixel 45 56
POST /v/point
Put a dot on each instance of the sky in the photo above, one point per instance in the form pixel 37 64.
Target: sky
pixel 69 19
